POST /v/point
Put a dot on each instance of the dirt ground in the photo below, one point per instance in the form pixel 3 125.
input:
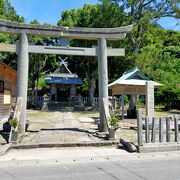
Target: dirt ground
pixel 127 127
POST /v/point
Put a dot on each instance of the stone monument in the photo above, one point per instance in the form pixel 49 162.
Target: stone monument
pixel 150 99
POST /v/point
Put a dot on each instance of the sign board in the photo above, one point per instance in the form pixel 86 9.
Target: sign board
pixel 7 97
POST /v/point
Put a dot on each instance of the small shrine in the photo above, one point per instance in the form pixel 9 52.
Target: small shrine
pixel 63 83
pixel 132 83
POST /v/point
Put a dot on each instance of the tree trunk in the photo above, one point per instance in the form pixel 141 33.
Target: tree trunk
pixel 92 91
pixel 91 76
pixel 36 87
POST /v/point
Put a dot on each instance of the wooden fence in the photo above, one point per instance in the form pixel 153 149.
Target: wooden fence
pixel 157 129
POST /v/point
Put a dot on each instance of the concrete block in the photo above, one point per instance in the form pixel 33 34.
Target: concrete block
pixel 159 147
pixel 4 148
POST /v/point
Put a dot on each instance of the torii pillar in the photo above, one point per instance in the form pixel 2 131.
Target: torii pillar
pixel 102 80
pixel 22 77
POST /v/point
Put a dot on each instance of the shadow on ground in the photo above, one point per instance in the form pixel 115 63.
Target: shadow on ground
pixel 95 134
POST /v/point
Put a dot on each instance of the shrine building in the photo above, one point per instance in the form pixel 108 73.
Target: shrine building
pixel 62 83
pixel 7 89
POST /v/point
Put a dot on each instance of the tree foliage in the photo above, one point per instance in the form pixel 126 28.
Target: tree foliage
pixel 8 12
pixel 160 60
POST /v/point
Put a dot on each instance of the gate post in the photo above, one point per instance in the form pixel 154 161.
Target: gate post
pixel 22 77
pixel 139 128
pixel 102 80
pixel 176 129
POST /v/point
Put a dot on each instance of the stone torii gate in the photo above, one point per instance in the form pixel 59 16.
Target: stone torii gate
pixel 23 49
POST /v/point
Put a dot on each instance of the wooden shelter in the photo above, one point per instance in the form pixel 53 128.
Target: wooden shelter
pixel 133 83
pixel 7 89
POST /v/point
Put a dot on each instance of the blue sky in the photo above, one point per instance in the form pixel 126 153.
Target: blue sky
pixel 46 10
pixel 50 11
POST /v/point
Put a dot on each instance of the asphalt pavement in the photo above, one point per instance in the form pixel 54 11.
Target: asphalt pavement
pixel 88 163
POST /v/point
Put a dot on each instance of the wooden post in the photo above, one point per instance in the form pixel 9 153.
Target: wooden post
pixel 153 137
pixel 122 105
pixel 176 129
pixel 113 102
pixel 147 129
pixel 139 128
pixel 167 129
pixel 161 123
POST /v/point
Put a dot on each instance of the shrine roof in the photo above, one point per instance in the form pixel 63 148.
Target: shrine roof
pixel 62 80
pixel 133 77
pixel 62 75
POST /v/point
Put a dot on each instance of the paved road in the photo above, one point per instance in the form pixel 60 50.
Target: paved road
pixel 88 163
pixel 146 169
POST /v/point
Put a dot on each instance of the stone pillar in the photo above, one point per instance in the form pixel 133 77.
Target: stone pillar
pixel 103 80
pixel 132 103
pixel 150 98
pixel 131 112
pixel 22 77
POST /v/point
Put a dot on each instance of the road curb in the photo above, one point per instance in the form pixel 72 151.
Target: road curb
pixel 73 144
pixel 157 147
pixel 5 148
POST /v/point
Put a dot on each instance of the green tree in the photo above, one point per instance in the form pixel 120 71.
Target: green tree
pixel 92 16
pixel 7 12
pixel 39 64
pixel 160 60
pixel 143 12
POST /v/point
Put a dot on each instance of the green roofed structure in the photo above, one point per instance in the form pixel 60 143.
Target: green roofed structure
pixel 133 83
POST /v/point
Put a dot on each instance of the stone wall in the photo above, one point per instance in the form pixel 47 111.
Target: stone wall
pixel 8 76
